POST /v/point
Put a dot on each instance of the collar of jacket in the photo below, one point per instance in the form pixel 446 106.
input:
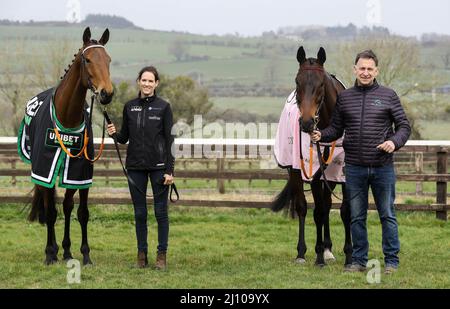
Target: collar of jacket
pixel 146 100
pixel 366 88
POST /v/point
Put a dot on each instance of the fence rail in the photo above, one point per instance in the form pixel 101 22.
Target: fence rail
pixel 229 152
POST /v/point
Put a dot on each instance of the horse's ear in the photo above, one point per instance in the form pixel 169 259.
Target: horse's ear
pixel 87 35
pixel 301 55
pixel 105 37
pixel 322 55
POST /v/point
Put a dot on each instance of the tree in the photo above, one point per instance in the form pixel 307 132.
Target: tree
pixel 446 60
pixel 178 49
pixel 186 97
pixel 12 90
pixel 398 65
pixel 123 92
pixel 47 72
pixel 24 75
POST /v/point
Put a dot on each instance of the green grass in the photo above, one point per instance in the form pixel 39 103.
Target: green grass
pixel 217 248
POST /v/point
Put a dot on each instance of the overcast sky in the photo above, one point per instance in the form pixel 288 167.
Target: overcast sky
pixel 247 17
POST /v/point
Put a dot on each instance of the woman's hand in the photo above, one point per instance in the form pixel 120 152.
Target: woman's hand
pixel 111 129
pixel 168 179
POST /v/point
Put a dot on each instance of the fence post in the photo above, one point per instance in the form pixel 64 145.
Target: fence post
pixel 441 186
pixel 107 168
pixel 184 168
pixel 13 167
pixel 418 156
pixel 220 168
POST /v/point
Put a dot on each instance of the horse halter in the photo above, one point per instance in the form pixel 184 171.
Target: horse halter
pixel 83 150
pixel 83 68
pixel 322 101
pixel 316 119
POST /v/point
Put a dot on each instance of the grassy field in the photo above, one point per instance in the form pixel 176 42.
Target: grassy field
pixel 217 248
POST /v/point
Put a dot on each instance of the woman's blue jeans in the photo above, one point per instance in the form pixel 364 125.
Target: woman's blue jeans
pixel 381 180
pixel 140 177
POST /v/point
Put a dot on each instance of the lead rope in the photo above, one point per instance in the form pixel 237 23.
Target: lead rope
pixel 173 187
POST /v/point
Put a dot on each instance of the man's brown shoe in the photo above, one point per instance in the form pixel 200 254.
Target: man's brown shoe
pixel 354 268
pixel 388 270
pixel 161 263
pixel 142 261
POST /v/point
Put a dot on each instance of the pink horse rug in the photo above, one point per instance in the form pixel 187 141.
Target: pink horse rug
pixel 287 146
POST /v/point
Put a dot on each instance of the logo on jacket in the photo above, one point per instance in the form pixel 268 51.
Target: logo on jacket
pixel 377 102
pixel 136 108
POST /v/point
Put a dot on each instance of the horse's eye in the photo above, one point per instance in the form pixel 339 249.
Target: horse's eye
pixel 88 61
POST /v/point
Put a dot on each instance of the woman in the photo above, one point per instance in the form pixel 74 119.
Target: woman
pixel 147 124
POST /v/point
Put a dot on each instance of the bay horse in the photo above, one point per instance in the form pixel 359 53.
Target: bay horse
pixel 316 93
pixel 89 70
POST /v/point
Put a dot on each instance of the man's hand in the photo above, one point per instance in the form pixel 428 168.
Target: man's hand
pixel 168 179
pixel 315 136
pixel 111 129
pixel 387 146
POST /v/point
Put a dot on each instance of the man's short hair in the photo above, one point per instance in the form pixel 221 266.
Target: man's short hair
pixel 367 54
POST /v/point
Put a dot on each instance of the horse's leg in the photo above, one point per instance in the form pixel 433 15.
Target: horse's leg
pixel 328 244
pixel 83 218
pixel 67 207
pixel 300 206
pixel 51 249
pixel 319 211
pixel 346 219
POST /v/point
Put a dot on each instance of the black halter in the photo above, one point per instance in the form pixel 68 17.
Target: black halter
pixel 322 101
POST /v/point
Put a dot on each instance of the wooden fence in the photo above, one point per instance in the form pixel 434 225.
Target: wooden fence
pixel 218 156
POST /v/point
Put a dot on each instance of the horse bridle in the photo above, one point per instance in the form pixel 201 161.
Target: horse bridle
pixel 322 101
pixel 84 71
pixel 83 150
pixel 322 163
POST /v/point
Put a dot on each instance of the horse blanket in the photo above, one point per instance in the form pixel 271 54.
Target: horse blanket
pixel 287 145
pixel 38 146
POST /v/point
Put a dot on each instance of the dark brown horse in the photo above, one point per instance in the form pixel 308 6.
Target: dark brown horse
pixel 316 95
pixel 89 70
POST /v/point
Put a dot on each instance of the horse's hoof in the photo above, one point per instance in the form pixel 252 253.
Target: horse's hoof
pixel 67 257
pixel 328 255
pixel 320 264
pixel 87 262
pixel 300 261
pixel 50 261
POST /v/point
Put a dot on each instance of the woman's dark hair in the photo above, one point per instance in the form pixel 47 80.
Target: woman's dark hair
pixel 367 54
pixel 150 69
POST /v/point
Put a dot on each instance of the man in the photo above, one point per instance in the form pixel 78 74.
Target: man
pixel 367 113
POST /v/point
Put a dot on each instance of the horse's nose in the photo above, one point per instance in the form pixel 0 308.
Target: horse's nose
pixel 307 126
pixel 105 97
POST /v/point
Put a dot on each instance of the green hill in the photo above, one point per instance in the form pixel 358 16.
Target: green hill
pixel 249 74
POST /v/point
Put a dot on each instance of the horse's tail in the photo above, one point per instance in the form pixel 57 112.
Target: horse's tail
pixel 283 199
pixel 37 207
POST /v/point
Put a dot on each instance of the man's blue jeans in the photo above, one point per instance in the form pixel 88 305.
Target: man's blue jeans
pixel 382 182
pixel 140 177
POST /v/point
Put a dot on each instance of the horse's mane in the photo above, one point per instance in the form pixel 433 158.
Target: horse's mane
pixel 91 42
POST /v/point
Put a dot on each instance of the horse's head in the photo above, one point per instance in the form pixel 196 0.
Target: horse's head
pixel 310 89
pixel 95 66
